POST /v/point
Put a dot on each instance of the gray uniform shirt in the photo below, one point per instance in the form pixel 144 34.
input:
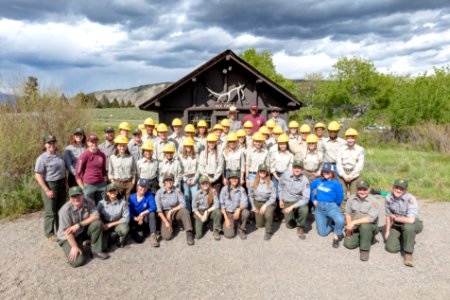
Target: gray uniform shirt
pixel 135 150
pixel 51 166
pixel 111 212
pixel 167 200
pixel 359 208
pixel 147 169
pixel 70 215
pixel 294 189
pixel 71 154
pixel 170 166
pixel 235 125
pixel 282 123
pixel 200 201
pixel 406 206
pixel 108 149
pixel 232 199
pixel 121 167
pixel 262 193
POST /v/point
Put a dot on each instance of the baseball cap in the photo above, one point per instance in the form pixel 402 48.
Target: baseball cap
pixel 327 167
pixel 168 176
pixel 93 138
pixel 49 138
pixel 108 129
pixel 298 163
pixel 401 183
pixel 263 167
pixel 75 190
pixel 234 173
pixel 254 106
pixel 362 184
pixel 203 178
pixel 111 187
pixel 79 131
pixel 137 131
pixel 143 182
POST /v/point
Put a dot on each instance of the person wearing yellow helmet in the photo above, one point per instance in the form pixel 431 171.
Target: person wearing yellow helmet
pixel 122 168
pixel 124 129
pixel 147 166
pixel 278 121
pixel 189 164
pixel 200 137
pixel 234 158
pixel 276 132
pixel 319 130
pixel 149 124
pixel 177 124
pixel 293 130
pixel 270 124
pixel 299 146
pixel 312 159
pixel 332 144
pixel 255 156
pixel 171 165
pixel 233 116
pixel 161 141
pixel 242 139
pixel 135 145
pixel 269 141
pixel 226 124
pixel 222 140
pixel 248 127
pixel 281 160
pixel 211 162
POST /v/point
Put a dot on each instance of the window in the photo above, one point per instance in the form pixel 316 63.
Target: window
pixel 195 116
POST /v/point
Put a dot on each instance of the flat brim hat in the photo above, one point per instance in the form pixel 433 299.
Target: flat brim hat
pixel 79 131
pixel 401 183
pixel 75 190
pixel 108 129
pixel 111 187
pixel 297 163
pixel 233 109
pixel 203 179
pixel 234 174
pixel 49 138
pixel 362 184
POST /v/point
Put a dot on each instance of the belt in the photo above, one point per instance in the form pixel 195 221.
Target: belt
pixel 211 175
pixel 123 180
pixel 348 170
pixel 189 176
pixel 57 181
pixel 313 171
pixel 251 172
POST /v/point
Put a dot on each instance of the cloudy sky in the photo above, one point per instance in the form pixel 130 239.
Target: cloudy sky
pixel 88 45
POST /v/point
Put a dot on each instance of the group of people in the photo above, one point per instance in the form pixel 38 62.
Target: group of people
pixel 149 184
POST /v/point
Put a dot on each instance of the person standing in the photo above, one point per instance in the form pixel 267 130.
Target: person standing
pixel 255 156
pixel 361 218
pixel 242 139
pixel 50 174
pixel 108 147
pixel 189 165
pixel 161 141
pixel 147 167
pixel 134 146
pixel 248 128
pixel 332 145
pixel 211 162
pixel 281 160
pixel 279 121
pixel 234 158
pixel 293 131
pixel 149 124
pixel 76 147
pixel 176 136
pixel 255 117
pixel 124 129
pixel 170 165
pixel 299 147
pixel 202 132
pixel 233 116
pixel 189 132
pixel 402 221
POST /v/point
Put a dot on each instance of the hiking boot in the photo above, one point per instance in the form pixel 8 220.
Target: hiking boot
pixel 216 235
pixel 363 255
pixel 52 238
pixel 137 237
pixel 121 243
pixel 190 238
pixel 154 240
pixel 242 234
pixel 335 243
pixel 408 260
pixel 267 236
pixel 100 255
pixel 301 233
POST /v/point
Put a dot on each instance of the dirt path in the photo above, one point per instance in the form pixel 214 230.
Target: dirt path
pixel 33 268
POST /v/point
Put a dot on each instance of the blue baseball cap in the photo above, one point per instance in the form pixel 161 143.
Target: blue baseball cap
pixel 143 182
pixel 327 167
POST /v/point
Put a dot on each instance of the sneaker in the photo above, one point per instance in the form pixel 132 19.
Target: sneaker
pixel 363 255
pixel 190 238
pixel 100 255
pixel 267 236
pixel 154 240
pixel 52 238
pixel 335 243
pixel 301 233
pixel 408 260
pixel 216 235
pixel 242 234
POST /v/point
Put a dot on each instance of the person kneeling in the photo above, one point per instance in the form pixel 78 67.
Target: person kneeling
pixel 170 205
pixel 361 216
pixel 115 216
pixel 142 214
pixel 205 205
pixel 233 203
pixel 78 221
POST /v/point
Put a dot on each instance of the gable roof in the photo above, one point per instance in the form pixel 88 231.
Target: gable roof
pixel 229 55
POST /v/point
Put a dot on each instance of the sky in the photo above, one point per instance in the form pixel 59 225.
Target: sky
pixel 90 45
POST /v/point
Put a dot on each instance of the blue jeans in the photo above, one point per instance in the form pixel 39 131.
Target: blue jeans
pixel 326 211
pixel 189 193
pixel 275 183
pixel 251 178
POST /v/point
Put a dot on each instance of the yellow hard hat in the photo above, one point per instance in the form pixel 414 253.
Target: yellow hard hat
pixel 125 126
pixel 217 127
pixel 188 141
pixel 225 123
pixel 155 132
pixel 258 136
pixel 248 124
pixel 277 130
pixel 148 145
pixel 121 139
pixel 312 138
pixel 168 148
pixel 271 123
pixel 241 133
pixel 212 138
pixel 189 128
pixel 162 128
pixel 202 123
pixel 319 125
pixel 264 130
pixel 283 138
pixel 334 126
pixel 305 128
pixel 177 122
pixel 149 122
pixel 293 124
pixel 232 137
pixel 351 132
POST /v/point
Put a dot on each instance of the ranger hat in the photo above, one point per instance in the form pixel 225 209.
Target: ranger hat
pixel 75 190
pixel 143 182
pixel 108 129
pixel 327 167
pixel 203 178
pixel 111 187
pixel 234 173
pixel 49 138
pixel 168 176
pixel 297 163
pixel 401 183
pixel 362 184
pixel 263 167
pixel 79 131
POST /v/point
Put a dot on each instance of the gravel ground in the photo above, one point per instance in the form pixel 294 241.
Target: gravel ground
pixel 34 268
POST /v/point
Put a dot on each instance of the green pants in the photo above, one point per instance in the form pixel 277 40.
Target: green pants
pixel 94 231
pixel 121 230
pixel 215 216
pixel 52 206
pixel 266 219
pixel 94 192
pixel 297 217
pixel 182 215
pixel 403 234
pixel 362 237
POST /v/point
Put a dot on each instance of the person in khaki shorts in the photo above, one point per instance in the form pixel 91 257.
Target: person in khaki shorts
pixel 262 194
pixel 233 203
pixel 206 206
pixel 361 218
pixel 402 221
pixel 170 206
pixel 122 168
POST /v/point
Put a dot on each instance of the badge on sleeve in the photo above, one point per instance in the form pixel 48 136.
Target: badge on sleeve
pixel 411 200
pixel 375 204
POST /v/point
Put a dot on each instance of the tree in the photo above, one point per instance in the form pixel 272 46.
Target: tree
pixel 121 103
pixel 31 87
pixel 104 102
pixel 115 103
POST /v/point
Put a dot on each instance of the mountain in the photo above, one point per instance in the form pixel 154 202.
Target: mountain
pixel 4 97
pixel 135 95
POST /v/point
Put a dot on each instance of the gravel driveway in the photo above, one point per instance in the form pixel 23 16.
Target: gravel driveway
pixel 285 267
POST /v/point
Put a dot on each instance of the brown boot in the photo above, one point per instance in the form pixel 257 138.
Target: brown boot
pixel 301 233
pixel 154 240
pixel 408 260
pixel 363 255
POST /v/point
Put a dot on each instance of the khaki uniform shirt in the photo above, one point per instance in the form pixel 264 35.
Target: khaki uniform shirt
pixel 350 161
pixel 211 166
pixel 159 146
pixel 270 142
pixel 51 166
pixel 170 166
pixel 200 201
pixel 232 199
pixel 281 161
pixel 121 167
pixel 234 160
pixel 294 189
pixel 178 139
pixel 262 193
pixel 332 148
pixel 190 167
pixel 147 169
pixel 255 158
pixel 69 215
pixel 359 208
pixel 313 161
pixel 298 148
pixel 167 200
pixel 406 206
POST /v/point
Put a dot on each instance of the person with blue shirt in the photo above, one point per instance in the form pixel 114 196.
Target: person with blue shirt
pixel 327 195
pixel 142 209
